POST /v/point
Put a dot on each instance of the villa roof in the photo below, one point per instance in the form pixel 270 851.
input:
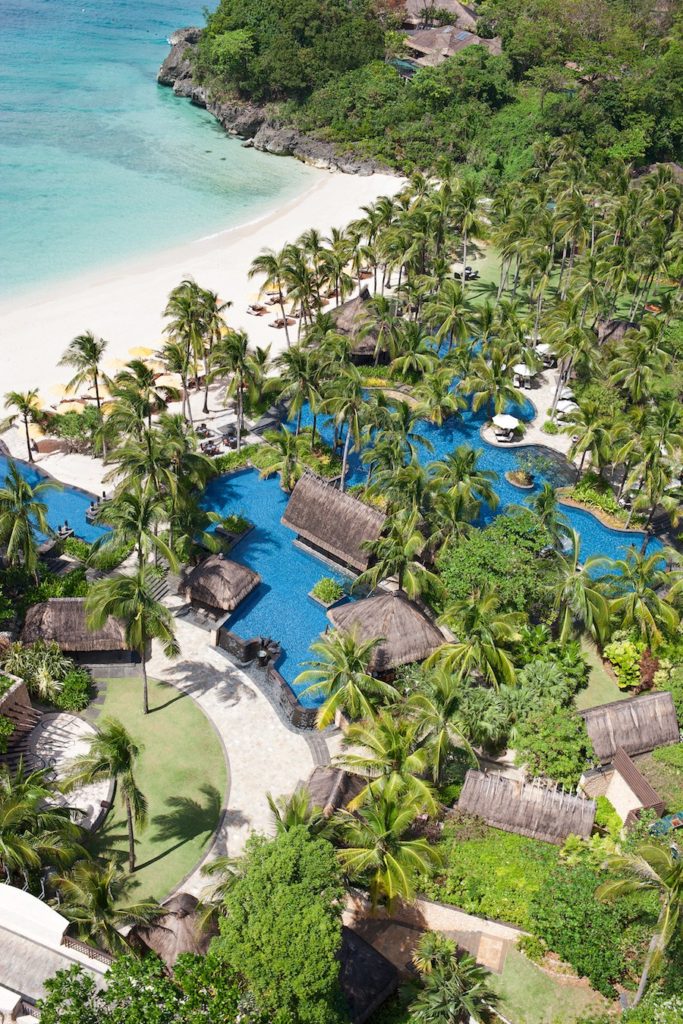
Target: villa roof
pixel 351 319
pixel 367 978
pixel 332 520
pixel 527 809
pixel 614 330
pixel 332 788
pixel 405 632
pixel 177 931
pixel 418 12
pixel 220 583
pixel 64 620
pixel 438 44
pixel 648 797
pixel 637 724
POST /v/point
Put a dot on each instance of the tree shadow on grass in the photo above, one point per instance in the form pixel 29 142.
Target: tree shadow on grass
pixel 186 819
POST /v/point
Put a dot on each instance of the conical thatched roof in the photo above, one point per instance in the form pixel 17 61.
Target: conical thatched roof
pixel 220 583
pixel 526 808
pixel 63 620
pixel 333 521
pixel 351 318
pixel 406 633
pixel 638 724
pixel 178 931
pixel 331 788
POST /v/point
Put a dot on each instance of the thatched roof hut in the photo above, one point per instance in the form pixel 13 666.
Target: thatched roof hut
pixel 405 632
pixel 420 12
pixel 63 619
pixel 614 330
pixel 527 809
pixel 331 788
pixel 177 931
pixel 638 724
pixel 352 319
pixel 366 977
pixel 219 583
pixel 332 521
pixel 435 45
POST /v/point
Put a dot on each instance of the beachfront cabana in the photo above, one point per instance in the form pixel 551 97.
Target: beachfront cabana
pixel 64 621
pixel 219 584
pixel 352 320
pixel 332 522
pixel 637 724
pixel 179 930
pixel 527 809
pixel 406 634
pixel 432 46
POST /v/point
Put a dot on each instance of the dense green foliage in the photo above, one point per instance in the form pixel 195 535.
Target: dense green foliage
pixel 282 929
pixel 50 676
pixel 553 742
pixel 504 555
pixel 492 873
pixel 6 730
pixel 328 590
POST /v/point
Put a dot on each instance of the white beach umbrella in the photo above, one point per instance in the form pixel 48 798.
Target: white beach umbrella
pixel 567 393
pixel 505 422
pixel 522 370
pixel 566 406
pixel 543 349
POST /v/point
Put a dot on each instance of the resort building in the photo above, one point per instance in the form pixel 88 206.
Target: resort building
pixel 64 620
pixel 406 634
pixel 181 929
pixel 34 945
pixel 625 787
pixel 526 808
pixel 636 725
pixel 419 13
pixel 430 47
pixel 332 522
pixel 331 788
pixel 218 584
pixel 352 320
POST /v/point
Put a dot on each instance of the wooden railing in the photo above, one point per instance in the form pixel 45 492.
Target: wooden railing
pixel 92 951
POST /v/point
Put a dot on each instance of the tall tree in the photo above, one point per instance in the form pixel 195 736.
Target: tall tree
pixel 22 514
pixel 27 405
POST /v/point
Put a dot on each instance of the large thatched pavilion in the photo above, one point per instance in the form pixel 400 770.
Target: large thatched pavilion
pixel 637 725
pixel 332 522
pixel 219 584
pixel 64 620
pixel 405 632
pixel 529 809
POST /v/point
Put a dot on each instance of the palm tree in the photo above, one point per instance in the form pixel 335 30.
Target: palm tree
pixel 379 851
pixel 346 402
pixel 414 351
pixel 187 312
pixel 113 754
pixel 397 554
pixel 467 215
pixel 131 599
pixel 85 354
pixel 440 726
pixel 176 359
pixel 299 378
pixel 483 634
pixel 589 424
pixel 134 516
pixel 490 383
pixel 95 898
pixel 387 751
pixel 450 313
pixel 460 472
pixel 286 458
pixel 649 869
pixel 27 405
pixel 545 505
pixel 22 512
pixel 454 992
pixel 275 266
pixel 437 401
pixel 578 597
pixel 636 586
pixel 214 329
pixel 340 673
pixel 137 384
pixel 231 357
pixel 296 810
pixel 34 833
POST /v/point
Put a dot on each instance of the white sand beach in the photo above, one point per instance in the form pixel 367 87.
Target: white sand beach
pixel 124 304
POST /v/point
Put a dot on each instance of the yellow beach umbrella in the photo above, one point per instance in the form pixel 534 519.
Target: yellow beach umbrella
pixel 169 380
pixel 116 364
pixel 141 352
pixel 58 390
pixel 75 406
pixel 35 431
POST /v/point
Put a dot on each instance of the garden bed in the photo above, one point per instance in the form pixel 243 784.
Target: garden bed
pixel 516 480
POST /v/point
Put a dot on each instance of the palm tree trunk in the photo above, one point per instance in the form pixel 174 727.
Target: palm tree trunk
pixel 131 837
pixel 642 985
pixel 464 258
pixel 313 429
pixel 240 416
pixel 284 317
pixel 205 407
pixel 345 458
pixel 28 440
pixel 145 694
pixel 297 429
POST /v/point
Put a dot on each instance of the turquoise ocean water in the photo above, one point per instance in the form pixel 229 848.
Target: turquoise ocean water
pixel 98 163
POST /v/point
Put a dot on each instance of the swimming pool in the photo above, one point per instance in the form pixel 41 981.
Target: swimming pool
pixel 64 504
pixel 280 608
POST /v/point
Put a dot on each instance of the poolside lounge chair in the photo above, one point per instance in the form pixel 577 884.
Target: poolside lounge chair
pixel 280 323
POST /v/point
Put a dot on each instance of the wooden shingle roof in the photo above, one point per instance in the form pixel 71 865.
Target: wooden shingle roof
pixel 638 724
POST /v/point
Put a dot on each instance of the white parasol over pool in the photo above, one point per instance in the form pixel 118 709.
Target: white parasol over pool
pixel 505 422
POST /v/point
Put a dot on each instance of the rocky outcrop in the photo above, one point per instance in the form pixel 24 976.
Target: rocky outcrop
pixel 250 121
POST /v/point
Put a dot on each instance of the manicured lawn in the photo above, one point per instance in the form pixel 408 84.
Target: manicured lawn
pixel 530 996
pixel 665 779
pixel 183 775
pixel 601 689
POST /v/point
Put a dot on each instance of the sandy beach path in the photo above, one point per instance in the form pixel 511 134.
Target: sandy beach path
pixel 124 304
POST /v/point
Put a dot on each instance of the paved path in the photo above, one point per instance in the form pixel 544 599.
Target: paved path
pixel 542 397
pixel 262 753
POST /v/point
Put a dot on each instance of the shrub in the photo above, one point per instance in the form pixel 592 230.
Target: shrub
pixel 489 872
pixel 76 548
pixel 594 491
pixel 607 818
pixel 328 590
pixel 673 756
pixel 553 742
pixel 579 928
pixel 625 654
pixel 107 558
pixel 550 427
pixel 6 730
pixel 231 461
pixel 235 523
pixel 5 683
pixel 533 947
pixel 75 691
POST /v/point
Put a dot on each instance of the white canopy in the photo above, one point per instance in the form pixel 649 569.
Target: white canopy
pixel 566 406
pixel 522 370
pixel 566 393
pixel 505 422
pixel 543 349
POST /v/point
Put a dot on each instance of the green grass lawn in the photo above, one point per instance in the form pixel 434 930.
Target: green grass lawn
pixel 601 689
pixel 183 775
pixel 530 996
pixel 665 779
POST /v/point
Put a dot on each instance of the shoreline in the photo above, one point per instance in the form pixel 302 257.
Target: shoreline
pixel 124 303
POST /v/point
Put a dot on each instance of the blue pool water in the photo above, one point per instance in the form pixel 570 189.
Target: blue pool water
pixel 65 503
pixel 280 608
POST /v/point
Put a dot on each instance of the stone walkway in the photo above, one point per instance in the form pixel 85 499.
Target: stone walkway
pixel 262 753
pixel 541 394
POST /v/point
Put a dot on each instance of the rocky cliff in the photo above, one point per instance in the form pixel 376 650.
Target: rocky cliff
pixel 249 121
